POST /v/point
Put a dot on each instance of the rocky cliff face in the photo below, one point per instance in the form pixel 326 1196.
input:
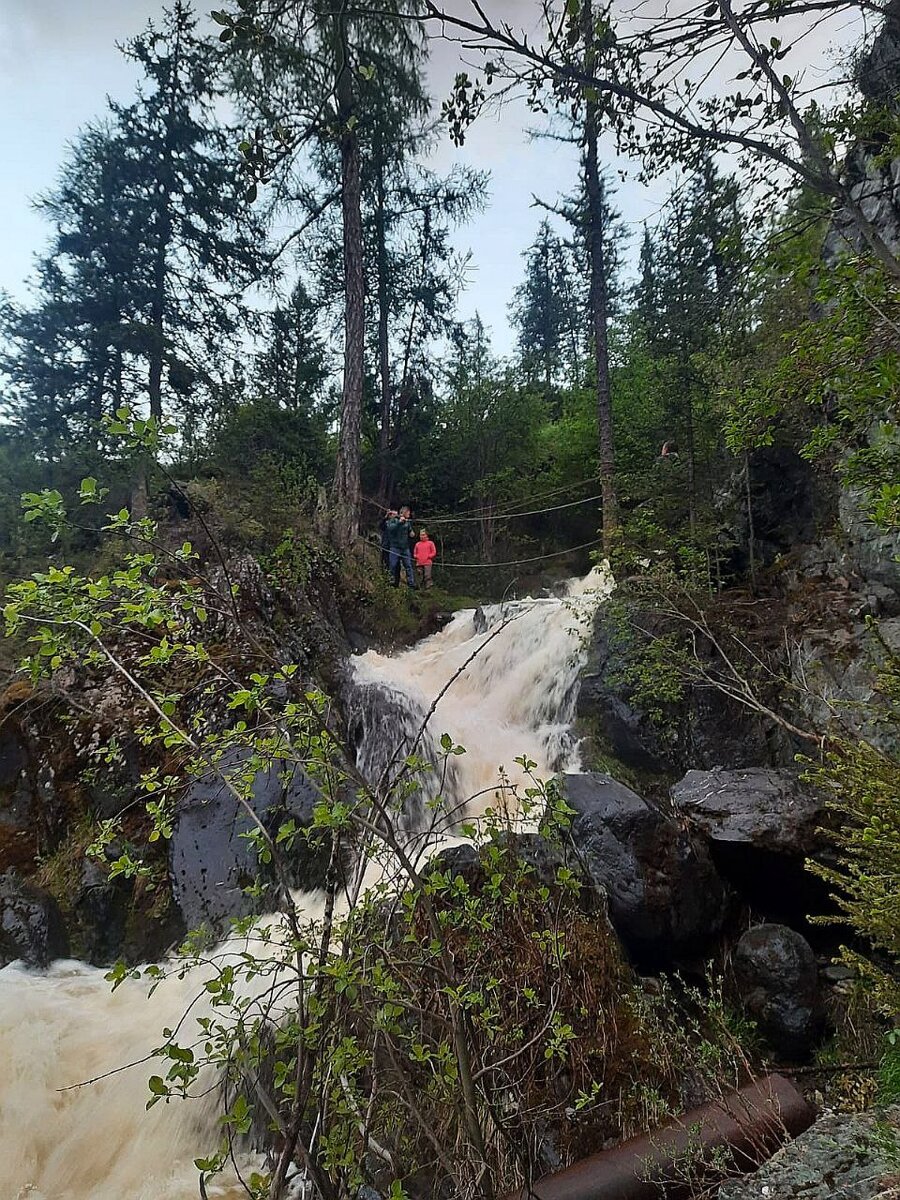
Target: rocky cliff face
pixel 873 180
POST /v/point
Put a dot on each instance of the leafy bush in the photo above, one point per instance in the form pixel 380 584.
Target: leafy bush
pixel 426 1023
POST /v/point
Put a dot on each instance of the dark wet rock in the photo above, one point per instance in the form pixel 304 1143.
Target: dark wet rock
pixel 18 803
pixel 783 501
pixel 837 973
pixel 841 1157
pixel 787 506
pixel 778 977
pixel 763 807
pixel 31 925
pixel 359 641
pixel 384 724
pixel 543 855
pixel 12 760
pixel 211 862
pixel 761 825
pixel 626 730
pixel 112 787
pixel 101 911
pixel 435 621
pixel 665 896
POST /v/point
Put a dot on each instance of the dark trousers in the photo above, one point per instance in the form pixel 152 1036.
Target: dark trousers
pixel 402 558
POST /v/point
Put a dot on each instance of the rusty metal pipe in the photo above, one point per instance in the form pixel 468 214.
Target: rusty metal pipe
pixel 751 1124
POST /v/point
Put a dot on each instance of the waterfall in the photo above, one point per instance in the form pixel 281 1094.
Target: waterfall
pixel 64 1026
pixel 516 693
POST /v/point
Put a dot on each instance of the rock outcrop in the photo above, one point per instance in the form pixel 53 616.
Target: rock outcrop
pixel 31 925
pixel 703 729
pixel 761 825
pixel 873 182
pixel 840 1158
pixel 766 808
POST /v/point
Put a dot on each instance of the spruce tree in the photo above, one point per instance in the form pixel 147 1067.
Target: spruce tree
pixel 139 299
pixel 549 313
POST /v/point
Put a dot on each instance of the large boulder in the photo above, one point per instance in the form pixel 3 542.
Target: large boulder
pixel 31 925
pixel 764 807
pixel 665 897
pixel 777 974
pixel 842 1157
pixel 543 855
pixel 761 825
pixel 211 860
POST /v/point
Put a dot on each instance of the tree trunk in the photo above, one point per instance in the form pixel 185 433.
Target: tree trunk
pixel 686 380
pixel 384 368
pixel 347 491
pixel 157 320
pixel 599 299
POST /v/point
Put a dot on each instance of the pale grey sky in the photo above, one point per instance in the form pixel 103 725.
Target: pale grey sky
pixel 58 62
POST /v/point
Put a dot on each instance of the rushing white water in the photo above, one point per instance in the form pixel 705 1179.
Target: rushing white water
pixel 503 681
pixel 63 1027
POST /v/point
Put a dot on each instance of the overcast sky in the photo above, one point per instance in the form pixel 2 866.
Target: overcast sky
pixel 58 62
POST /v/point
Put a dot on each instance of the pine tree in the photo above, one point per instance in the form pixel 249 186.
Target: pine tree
pixel 690 298
pixel 140 293
pixel 549 313
pixel 417 277
pixel 202 247
pixel 291 367
pixel 65 356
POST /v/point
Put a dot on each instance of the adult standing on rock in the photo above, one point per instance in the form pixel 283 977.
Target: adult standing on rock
pixel 399 531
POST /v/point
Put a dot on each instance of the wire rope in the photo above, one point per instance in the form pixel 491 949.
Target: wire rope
pixel 486 508
pixel 533 512
pixel 515 562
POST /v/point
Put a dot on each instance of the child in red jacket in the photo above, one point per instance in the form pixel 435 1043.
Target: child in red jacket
pixel 424 552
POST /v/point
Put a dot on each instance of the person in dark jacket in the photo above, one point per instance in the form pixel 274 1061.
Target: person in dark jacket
pixel 385 539
pixel 398 531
